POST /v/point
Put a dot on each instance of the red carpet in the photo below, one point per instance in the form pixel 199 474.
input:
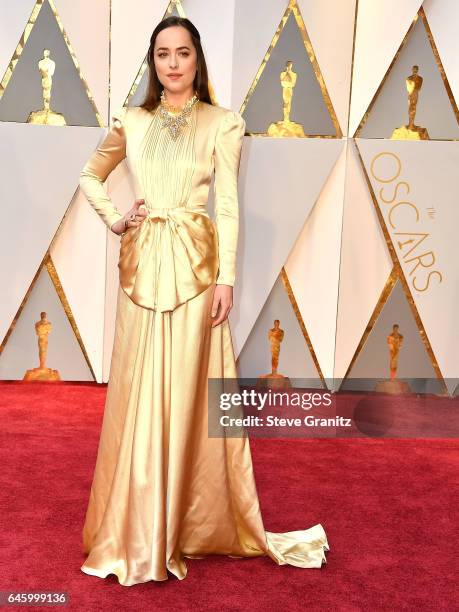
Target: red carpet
pixel 389 508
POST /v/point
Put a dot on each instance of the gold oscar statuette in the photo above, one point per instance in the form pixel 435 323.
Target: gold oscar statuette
pixel 412 131
pixel 274 380
pixel 394 341
pixel 46 116
pixel 42 328
pixel 287 127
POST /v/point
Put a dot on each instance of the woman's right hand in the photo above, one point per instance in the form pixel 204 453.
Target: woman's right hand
pixel 139 213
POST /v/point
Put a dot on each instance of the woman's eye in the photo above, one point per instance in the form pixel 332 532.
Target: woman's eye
pixel 185 53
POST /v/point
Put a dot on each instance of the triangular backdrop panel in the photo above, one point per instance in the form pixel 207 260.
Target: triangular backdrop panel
pixel 88 30
pixel 32 157
pixel 365 263
pixel 313 266
pixel 139 93
pixel 381 28
pixel 443 18
pixel 309 107
pixel 80 246
pixel 252 42
pixel 373 361
pixel 64 352
pixel 16 15
pixel 425 216
pixel 330 26
pixel 434 109
pixel 295 359
pixel 24 93
pixel 272 214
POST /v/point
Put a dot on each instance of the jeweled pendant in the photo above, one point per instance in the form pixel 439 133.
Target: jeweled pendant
pixel 174 123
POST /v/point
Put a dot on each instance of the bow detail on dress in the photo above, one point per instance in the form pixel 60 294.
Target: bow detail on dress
pixel 171 257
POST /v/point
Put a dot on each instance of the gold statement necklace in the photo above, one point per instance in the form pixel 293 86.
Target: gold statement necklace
pixel 175 122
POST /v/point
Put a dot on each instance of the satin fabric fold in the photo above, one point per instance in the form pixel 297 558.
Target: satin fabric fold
pixel 301 548
pixel 171 257
pixel 163 490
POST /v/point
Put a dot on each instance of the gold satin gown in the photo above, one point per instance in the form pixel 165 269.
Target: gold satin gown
pixel 162 489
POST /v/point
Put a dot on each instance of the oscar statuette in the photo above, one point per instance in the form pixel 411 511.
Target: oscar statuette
pixel 412 131
pixel 286 127
pixel 274 380
pixel 394 386
pixel 42 328
pixel 46 116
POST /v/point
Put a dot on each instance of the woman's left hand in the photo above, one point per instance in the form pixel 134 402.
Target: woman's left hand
pixel 222 303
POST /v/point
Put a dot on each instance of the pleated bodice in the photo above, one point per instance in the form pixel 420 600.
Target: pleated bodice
pixel 165 166
pixel 178 250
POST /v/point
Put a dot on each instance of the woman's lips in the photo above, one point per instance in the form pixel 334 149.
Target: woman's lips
pixel 174 76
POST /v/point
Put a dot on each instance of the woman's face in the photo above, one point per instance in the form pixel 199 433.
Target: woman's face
pixel 174 52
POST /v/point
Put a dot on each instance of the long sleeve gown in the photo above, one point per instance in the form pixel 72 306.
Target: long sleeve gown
pixel 163 489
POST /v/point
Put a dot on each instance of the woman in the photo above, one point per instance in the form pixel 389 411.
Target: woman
pixel 163 489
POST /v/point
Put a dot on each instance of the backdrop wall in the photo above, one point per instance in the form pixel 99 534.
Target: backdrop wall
pixel 344 231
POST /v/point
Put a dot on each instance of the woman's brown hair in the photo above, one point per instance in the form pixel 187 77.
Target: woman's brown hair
pixel 201 80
